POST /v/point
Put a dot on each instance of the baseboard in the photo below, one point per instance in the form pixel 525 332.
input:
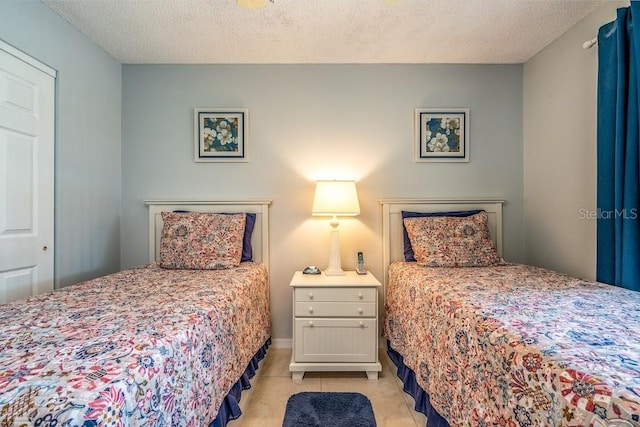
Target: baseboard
pixel 281 343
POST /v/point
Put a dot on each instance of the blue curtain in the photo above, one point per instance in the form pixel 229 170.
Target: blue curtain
pixel 618 224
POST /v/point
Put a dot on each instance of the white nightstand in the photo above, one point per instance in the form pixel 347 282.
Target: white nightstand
pixel 335 324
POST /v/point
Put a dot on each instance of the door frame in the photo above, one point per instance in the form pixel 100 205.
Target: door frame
pixel 41 66
pixel 28 59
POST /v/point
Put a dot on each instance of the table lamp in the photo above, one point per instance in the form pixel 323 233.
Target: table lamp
pixel 335 198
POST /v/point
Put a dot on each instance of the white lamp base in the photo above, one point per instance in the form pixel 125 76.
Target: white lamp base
pixel 335 267
pixel 334 272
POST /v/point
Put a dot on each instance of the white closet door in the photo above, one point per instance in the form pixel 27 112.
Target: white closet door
pixel 27 111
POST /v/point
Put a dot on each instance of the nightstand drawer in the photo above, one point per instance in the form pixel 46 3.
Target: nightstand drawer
pixel 335 309
pixel 335 340
pixel 336 294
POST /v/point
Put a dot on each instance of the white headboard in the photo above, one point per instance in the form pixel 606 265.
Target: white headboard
pixel 392 240
pixel 259 238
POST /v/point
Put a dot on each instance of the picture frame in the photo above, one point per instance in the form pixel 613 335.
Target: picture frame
pixel 221 134
pixel 441 135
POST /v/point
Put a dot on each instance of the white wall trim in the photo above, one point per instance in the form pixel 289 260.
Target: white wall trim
pixel 281 343
pixel 28 59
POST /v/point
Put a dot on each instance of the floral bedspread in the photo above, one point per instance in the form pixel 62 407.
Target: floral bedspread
pixel 517 345
pixel 146 346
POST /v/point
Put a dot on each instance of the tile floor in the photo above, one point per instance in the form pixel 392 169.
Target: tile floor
pixel 264 404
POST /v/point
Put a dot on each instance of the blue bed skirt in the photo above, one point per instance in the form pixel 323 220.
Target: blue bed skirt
pixel 410 386
pixel 230 407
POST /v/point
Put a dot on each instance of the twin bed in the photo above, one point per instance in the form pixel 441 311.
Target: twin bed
pixel 148 345
pixel 503 344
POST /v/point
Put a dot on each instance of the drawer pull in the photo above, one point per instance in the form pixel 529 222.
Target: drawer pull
pixel 362 324
pixel 360 310
pixel 310 295
pixel 310 324
pixel 310 309
pixel 360 296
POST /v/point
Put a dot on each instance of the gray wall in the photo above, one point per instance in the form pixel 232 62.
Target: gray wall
pixel 88 108
pixel 560 85
pixel 309 122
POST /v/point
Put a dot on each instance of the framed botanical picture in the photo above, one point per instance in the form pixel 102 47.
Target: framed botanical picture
pixel 221 134
pixel 441 135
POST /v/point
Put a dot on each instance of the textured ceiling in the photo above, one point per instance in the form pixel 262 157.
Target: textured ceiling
pixel 323 31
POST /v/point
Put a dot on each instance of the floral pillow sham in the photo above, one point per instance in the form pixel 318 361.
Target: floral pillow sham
pixel 408 250
pixel 452 241
pixel 247 248
pixel 201 241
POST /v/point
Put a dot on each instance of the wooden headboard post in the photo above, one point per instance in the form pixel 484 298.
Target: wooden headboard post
pixel 392 240
pixel 259 238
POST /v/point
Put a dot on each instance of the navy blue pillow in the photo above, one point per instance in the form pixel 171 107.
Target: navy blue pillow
pixel 408 250
pixel 247 249
pixel 250 223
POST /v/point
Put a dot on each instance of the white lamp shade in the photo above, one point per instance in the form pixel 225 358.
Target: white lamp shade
pixel 338 198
